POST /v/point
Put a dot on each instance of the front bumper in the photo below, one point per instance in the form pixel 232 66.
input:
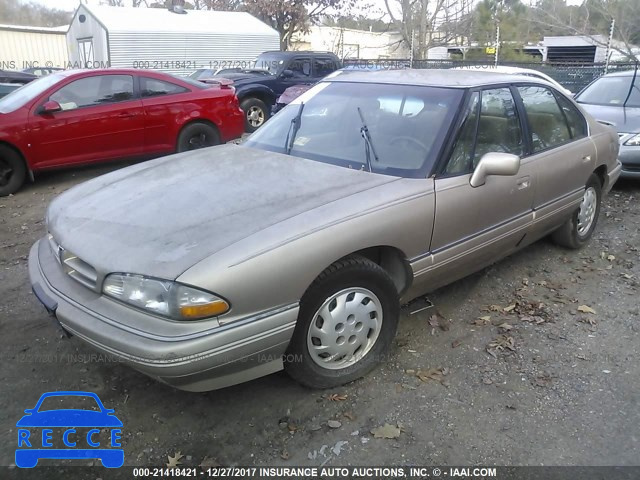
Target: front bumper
pixel 196 361
pixel 630 159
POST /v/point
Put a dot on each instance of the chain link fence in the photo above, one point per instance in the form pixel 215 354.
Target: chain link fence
pixel 573 76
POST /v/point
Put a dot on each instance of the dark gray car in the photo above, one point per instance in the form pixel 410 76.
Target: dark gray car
pixel 614 100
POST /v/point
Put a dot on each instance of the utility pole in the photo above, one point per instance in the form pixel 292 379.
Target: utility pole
pixel 606 60
pixel 495 55
pixel 411 53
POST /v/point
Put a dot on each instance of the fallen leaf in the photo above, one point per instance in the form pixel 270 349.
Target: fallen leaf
pixel 349 415
pixel 611 258
pixel 588 320
pixel 509 308
pixel 386 431
pixel 175 460
pixel 586 309
pixel 481 321
pixel 500 345
pixel 438 321
pixel 336 397
pixel 495 308
pixel 284 455
pixel 434 374
pixel 505 326
pixel 456 343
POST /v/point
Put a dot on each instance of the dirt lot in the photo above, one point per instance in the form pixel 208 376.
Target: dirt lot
pixel 552 379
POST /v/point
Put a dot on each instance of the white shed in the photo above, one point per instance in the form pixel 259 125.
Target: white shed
pixel 161 39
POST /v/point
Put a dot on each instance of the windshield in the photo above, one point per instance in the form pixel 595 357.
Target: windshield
pixel 69 402
pixel 271 62
pixel 612 91
pixel 18 98
pixel 407 125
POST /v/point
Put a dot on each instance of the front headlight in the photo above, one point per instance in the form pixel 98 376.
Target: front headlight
pixel 164 297
pixel 633 141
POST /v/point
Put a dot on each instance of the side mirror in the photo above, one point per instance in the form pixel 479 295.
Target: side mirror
pixel 50 107
pixel 287 73
pixel 494 163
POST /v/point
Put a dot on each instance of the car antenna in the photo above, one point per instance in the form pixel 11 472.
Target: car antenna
pixel 633 82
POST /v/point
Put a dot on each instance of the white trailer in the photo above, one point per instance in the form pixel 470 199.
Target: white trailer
pixel 164 40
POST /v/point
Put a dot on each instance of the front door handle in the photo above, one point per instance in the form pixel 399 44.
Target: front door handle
pixel 524 182
pixel 586 158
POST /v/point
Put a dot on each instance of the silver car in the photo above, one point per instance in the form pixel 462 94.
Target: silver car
pixel 295 250
pixel 614 100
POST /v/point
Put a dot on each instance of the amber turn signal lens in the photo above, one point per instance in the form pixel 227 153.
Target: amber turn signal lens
pixel 205 310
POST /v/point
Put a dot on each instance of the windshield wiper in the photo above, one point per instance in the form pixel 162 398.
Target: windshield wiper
pixel 293 130
pixel 632 86
pixel 368 144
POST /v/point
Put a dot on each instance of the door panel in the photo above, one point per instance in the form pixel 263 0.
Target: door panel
pixel 93 125
pixel 476 226
pixel 163 103
pixel 564 156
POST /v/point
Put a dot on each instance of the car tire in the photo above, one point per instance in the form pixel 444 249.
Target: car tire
pixel 256 113
pixel 577 230
pixel 13 171
pixel 364 325
pixel 197 135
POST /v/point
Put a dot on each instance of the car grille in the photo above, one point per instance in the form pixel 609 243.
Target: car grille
pixel 73 266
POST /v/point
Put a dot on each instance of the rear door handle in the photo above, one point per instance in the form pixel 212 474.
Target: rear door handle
pixel 126 115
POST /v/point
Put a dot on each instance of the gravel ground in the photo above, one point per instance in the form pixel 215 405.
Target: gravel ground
pixel 533 361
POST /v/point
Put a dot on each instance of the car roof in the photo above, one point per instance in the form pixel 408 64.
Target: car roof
pixel 435 77
pixel 292 53
pixel 112 71
pixel 624 73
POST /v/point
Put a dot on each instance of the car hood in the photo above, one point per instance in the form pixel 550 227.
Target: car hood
pixel 623 119
pixel 246 76
pixel 291 93
pixel 161 217
pixel 69 418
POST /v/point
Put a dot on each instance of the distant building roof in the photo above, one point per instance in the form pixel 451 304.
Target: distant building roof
pixel 24 28
pixel 160 20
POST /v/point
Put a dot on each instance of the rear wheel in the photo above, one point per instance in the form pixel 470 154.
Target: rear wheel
pixel 577 230
pixel 348 318
pixel 255 113
pixel 197 135
pixel 13 171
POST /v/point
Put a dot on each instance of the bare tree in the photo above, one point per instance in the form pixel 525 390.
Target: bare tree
pixel 419 21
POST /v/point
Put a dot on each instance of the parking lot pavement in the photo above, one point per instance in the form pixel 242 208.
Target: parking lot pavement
pixel 533 361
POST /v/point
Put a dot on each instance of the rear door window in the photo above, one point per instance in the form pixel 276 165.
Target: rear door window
pixel 152 87
pixel 546 120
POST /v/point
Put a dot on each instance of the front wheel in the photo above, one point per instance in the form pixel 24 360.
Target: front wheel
pixel 255 114
pixel 577 230
pixel 348 318
pixel 13 171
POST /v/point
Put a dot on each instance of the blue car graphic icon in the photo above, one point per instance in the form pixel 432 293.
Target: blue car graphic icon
pixel 72 428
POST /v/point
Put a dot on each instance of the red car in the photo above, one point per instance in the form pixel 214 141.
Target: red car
pixel 78 117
